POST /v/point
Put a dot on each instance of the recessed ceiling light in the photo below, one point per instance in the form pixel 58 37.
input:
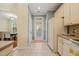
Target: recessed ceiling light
pixel 38 7
pixel 12 18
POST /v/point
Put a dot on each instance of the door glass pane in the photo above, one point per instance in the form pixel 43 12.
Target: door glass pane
pixel 39 29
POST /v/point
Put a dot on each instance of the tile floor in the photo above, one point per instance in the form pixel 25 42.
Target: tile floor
pixel 37 48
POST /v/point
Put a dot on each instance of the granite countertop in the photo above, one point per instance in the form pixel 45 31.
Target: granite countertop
pixel 73 39
pixel 69 37
pixel 5 44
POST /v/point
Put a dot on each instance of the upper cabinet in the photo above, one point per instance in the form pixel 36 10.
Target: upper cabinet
pixel 74 13
pixel 71 13
pixel 60 11
pixel 67 14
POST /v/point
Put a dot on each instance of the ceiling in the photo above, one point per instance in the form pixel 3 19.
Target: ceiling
pixel 42 8
pixel 7 14
pixel 6 9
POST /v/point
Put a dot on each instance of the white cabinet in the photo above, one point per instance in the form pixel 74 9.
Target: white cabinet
pixel 66 47
pixel 74 13
pixel 60 45
pixel 55 27
pixel 71 13
pixel 70 48
pixel 60 11
pixel 67 20
pixel 58 28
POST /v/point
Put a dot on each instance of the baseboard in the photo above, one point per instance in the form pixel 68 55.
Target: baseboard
pixel 21 48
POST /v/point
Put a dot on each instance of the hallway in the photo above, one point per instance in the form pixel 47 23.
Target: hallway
pixel 37 48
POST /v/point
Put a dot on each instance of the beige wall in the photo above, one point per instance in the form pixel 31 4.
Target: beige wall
pixel 22 25
pixel 21 10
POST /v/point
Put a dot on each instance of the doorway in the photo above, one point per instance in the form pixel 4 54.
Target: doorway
pixel 38 28
pixel 8 28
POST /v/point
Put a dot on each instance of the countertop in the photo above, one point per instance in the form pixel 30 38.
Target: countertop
pixel 69 37
pixel 5 44
pixel 73 39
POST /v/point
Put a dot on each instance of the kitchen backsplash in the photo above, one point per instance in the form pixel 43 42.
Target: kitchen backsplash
pixel 73 30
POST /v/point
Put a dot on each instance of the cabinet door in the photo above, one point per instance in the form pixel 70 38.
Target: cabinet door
pixel 74 13
pixel 67 47
pixel 58 28
pixel 60 11
pixel 60 45
pixel 67 20
pixel 65 50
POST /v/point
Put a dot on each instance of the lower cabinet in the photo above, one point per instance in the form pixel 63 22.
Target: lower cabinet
pixel 65 48
pixel 70 48
pixel 60 45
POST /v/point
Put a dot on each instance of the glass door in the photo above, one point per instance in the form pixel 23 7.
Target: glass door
pixel 39 28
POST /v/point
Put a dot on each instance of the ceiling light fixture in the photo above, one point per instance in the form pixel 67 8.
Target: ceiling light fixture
pixel 12 18
pixel 38 8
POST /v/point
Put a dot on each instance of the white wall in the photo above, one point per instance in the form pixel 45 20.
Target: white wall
pixel 30 27
pixel 50 33
pixel 46 31
pixel 4 24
